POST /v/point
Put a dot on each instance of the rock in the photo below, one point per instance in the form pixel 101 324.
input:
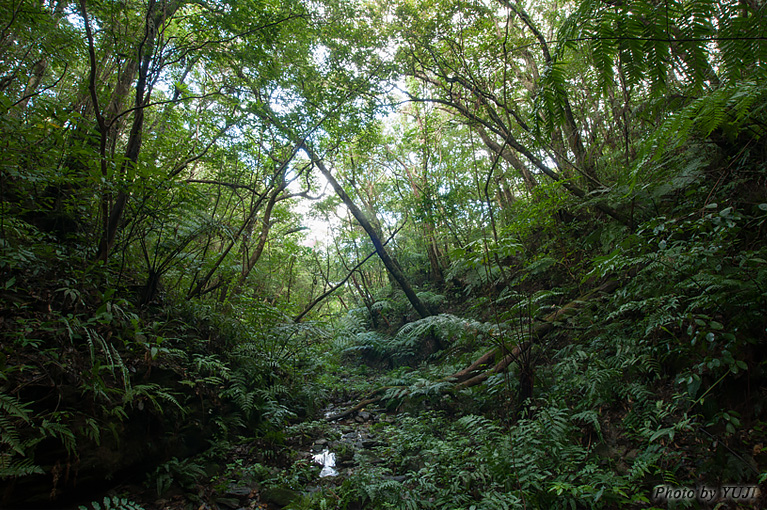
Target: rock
pixel 321 442
pixel 371 443
pixel 370 457
pixel 364 415
pixel 280 496
pixel 232 503
pixel 238 492
pixel 605 451
pixel 395 478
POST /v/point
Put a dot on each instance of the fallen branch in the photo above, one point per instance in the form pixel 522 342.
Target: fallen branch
pixel 481 369
pixel 371 398
pixel 539 330
pixel 354 409
pixel 498 368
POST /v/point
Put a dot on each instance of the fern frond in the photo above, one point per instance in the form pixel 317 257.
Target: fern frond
pixel 478 426
pixel 11 406
pixel 14 468
pixel 592 418
pixel 447 327
pixel 112 503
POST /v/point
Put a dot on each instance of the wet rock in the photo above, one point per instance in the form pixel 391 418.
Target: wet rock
pixel 321 442
pixel 235 496
pixel 605 451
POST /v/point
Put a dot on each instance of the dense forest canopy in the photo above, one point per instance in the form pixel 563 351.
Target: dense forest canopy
pixel 528 237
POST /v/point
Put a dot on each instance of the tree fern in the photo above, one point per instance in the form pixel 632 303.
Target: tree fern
pixel 447 326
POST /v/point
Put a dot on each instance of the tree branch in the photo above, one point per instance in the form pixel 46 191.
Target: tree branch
pixel 349 275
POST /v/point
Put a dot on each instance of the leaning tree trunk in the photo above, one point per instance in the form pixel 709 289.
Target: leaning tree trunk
pixel 388 261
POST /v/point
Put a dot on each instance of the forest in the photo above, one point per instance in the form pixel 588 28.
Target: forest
pixel 383 254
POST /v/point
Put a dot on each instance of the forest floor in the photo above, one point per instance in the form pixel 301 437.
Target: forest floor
pixel 274 472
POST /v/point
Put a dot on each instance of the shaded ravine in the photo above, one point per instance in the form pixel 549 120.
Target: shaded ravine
pixel 340 449
pixel 347 448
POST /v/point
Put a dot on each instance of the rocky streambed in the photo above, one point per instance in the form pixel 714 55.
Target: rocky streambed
pixel 287 469
pixel 313 457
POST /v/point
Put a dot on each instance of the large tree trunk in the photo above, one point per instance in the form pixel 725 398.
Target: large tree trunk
pixel 388 261
pixel 156 15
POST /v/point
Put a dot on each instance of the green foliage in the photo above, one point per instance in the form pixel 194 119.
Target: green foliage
pixel 112 503
pixel 477 262
pixel 644 38
pixel 476 463
pixel 446 327
pixel 424 337
pixel 732 112
pixel 149 267
pixel 186 473
pixel 687 271
pixel 13 456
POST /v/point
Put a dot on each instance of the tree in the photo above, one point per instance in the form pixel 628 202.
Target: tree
pixel 504 99
pixel 391 264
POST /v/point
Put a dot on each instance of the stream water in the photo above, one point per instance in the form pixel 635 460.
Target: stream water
pixel 349 442
pixel 327 460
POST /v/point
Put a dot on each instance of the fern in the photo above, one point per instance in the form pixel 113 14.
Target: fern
pixel 424 387
pixel 112 503
pixel 155 394
pixel 446 326
pixel 479 427
pixel 13 448
pixel 10 406
pixel 383 491
pixel 14 467
pixel 590 417
pixel 430 299
pixel 381 306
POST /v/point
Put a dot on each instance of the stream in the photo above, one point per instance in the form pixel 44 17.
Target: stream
pixel 347 446
pixel 339 456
